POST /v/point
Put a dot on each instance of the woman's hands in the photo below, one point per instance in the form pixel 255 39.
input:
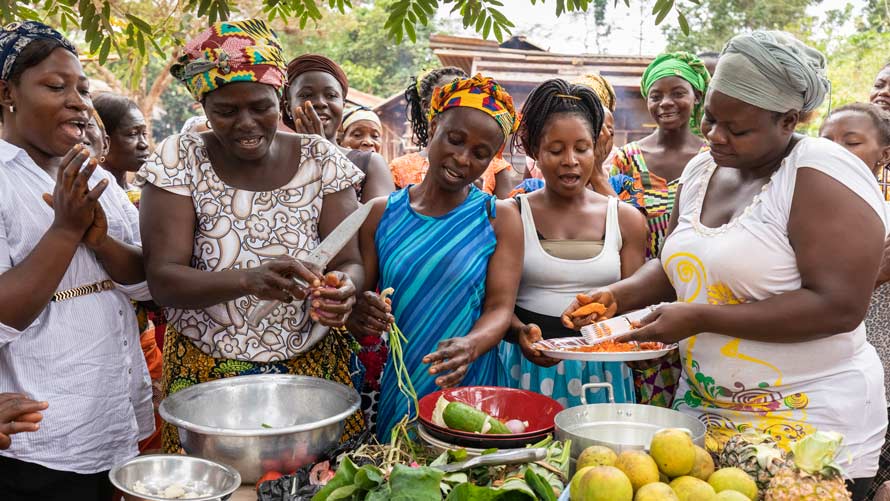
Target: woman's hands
pixel 528 335
pixel 451 360
pixel 76 207
pixel 668 324
pixel 371 315
pixel 18 414
pixel 274 279
pixel 602 296
pixel 332 299
pixel 307 121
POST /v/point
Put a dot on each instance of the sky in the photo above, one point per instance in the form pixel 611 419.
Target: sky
pixel 540 24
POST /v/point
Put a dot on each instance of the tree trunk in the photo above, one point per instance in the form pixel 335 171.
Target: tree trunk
pixel 153 95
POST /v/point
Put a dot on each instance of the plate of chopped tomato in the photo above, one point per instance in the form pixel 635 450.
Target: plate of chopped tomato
pixel 578 348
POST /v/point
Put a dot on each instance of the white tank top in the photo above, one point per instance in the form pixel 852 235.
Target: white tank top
pixel 788 390
pixel 549 283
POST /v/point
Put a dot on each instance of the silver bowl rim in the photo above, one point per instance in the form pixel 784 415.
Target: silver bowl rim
pixel 354 399
pixel 112 475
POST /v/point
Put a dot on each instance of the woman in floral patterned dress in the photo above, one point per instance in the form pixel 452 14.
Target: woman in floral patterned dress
pixel 228 214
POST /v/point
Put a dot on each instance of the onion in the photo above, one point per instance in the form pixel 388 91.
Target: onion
pixel 517 426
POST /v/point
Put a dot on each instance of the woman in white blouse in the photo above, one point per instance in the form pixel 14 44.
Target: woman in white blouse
pixel 772 256
pixel 69 241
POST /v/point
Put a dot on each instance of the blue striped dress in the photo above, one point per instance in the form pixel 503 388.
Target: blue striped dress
pixel 438 268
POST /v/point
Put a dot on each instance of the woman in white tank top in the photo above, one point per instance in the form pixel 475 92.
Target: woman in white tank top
pixel 575 239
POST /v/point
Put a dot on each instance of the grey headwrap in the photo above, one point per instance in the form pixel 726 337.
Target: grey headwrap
pixel 772 70
pixel 14 37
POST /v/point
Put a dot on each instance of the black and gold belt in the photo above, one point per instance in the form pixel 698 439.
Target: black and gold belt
pixel 105 285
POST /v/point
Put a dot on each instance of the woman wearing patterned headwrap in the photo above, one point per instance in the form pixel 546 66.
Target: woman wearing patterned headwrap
pixel 412 168
pixel 449 250
pixel 775 243
pixel 313 104
pixel 68 334
pixel 228 213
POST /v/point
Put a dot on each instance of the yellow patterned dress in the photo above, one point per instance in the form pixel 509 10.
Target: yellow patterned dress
pixel 785 390
pixel 239 229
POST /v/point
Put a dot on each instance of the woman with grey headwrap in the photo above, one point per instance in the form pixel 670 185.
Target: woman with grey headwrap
pixel 769 292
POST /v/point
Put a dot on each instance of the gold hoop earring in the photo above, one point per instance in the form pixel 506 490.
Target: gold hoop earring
pixel 207 124
pixel 101 160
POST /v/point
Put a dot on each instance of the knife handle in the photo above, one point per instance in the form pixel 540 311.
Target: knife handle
pixel 267 306
pixel 512 457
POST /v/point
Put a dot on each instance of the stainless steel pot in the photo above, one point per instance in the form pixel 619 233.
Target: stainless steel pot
pixel 620 427
pixel 261 423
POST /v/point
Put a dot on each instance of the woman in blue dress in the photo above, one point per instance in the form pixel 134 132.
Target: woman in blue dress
pixel 450 252
pixel 575 239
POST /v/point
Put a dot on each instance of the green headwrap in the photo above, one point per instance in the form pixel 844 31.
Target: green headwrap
pixel 683 65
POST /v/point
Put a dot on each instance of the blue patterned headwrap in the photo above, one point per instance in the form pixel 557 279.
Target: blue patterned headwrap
pixel 16 36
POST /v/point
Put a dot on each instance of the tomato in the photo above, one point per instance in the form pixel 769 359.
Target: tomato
pixel 269 475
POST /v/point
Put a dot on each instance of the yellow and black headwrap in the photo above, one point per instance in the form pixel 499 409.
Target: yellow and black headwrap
pixel 481 93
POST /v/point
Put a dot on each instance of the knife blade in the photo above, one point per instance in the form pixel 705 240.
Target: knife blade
pixel 600 332
pixel 318 257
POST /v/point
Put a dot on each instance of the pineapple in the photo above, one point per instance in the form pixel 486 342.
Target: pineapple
pixel 812 475
pixel 756 453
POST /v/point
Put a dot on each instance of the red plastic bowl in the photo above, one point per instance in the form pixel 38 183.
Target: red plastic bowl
pixel 502 403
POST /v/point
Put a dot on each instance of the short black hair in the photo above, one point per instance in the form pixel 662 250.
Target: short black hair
pixel 417 92
pixel 112 108
pixel 552 97
pixel 879 117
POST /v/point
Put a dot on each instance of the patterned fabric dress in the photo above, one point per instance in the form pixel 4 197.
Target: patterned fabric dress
pixel 877 329
pixel 656 383
pixel 438 268
pixel 239 229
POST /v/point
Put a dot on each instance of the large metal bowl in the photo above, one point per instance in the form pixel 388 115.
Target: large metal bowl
pixel 261 423
pixel 160 471
pixel 620 427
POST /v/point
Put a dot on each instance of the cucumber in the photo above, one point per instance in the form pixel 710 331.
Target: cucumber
pixel 461 416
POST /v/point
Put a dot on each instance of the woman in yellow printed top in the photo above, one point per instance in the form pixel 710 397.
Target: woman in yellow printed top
pixel 770 294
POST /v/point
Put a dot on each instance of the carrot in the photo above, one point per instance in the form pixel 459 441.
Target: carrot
pixel 583 299
pixel 589 309
pixel 331 280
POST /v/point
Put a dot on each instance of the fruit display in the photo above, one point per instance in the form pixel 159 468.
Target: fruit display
pixel 751 467
pixel 812 473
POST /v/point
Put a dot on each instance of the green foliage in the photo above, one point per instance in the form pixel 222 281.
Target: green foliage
pixel 716 21
pixel 134 29
pixel 359 42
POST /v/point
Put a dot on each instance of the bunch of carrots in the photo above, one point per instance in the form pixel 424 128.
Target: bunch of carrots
pixel 590 312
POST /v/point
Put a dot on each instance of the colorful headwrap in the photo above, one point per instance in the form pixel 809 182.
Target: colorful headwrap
pixel 231 51
pixel 603 89
pixel 683 65
pixel 773 71
pixel 481 93
pixel 16 36
pixel 358 114
pixel 317 62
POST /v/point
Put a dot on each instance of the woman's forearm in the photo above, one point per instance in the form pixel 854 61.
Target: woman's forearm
pixel 489 330
pixel 792 317
pixel 123 262
pixel 178 286
pixel 26 288
pixel 648 286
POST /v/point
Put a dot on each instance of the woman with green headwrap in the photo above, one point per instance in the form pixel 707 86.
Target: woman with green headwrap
pixel 647 170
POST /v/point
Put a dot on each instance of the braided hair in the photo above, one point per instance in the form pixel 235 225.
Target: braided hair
pixel 421 89
pixel 552 97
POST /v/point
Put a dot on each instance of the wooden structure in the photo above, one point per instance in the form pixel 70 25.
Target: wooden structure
pixel 519 66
